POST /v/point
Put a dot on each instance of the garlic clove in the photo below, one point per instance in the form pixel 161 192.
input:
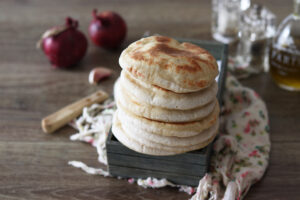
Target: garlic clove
pixel 98 74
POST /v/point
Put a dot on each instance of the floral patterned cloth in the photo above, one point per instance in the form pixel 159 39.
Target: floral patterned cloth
pixel 240 153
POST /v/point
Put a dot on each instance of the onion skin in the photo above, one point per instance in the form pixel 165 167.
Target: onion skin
pixel 67 46
pixel 107 29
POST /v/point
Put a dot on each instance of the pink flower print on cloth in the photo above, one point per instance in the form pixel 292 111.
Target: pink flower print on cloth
pixel 241 152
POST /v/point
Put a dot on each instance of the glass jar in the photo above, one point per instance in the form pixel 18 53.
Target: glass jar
pixel 258 26
pixel 226 19
pixel 284 56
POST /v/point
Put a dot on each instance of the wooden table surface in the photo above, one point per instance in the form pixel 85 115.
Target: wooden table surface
pixel 33 165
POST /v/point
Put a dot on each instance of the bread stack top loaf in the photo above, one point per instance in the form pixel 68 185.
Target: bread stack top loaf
pixel 166 63
pixel 166 97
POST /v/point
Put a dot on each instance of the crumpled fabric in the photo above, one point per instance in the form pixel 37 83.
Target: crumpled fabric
pixel 240 153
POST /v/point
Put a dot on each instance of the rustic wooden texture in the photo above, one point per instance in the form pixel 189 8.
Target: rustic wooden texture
pixel 182 169
pixel 33 165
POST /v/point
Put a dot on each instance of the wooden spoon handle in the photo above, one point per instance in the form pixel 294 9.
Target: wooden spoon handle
pixel 63 116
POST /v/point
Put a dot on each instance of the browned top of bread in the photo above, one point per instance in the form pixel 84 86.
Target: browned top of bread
pixel 166 63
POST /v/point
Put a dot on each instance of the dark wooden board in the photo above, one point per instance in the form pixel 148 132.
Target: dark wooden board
pixel 34 166
pixel 127 172
pixel 193 157
pixel 182 166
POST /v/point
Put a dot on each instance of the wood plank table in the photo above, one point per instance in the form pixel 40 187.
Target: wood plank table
pixel 33 165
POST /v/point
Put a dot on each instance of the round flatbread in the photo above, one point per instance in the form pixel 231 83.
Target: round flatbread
pixel 166 63
pixel 183 129
pixel 156 96
pixel 157 113
pixel 161 150
pixel 153 140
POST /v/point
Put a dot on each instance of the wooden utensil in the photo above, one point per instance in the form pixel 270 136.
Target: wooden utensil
pixel 63 116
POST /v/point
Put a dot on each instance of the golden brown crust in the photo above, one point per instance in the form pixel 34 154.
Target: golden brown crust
pixel 166 63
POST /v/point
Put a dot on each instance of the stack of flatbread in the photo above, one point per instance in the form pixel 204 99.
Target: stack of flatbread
pixel 166 97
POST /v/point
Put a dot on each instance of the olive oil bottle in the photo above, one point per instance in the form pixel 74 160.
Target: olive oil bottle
pixel 284 54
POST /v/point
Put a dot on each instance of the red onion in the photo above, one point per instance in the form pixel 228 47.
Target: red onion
pixel 107 29
pixel 65 45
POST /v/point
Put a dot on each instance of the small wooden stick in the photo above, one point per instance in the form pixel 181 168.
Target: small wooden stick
pixel 63 116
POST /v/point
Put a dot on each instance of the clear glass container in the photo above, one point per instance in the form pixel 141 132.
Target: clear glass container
pixel 284 57
pixel 258 26
pixel 226 19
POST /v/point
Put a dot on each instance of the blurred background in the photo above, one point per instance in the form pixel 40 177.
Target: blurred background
pixel 23 22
